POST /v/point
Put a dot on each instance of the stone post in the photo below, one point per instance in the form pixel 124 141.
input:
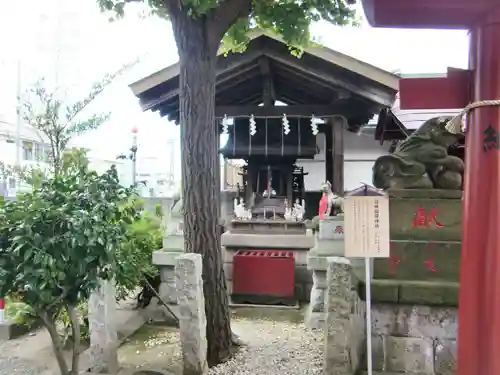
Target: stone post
pixel 103 330
pixel 173 246
pixel 330 242
pixel 192 318
pixel 344 320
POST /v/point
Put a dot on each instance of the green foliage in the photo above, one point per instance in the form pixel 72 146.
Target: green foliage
pixel 64 325
pixel 134 257
pixel 59 121
pixel 290 19
pixel 20 312
pixel 58 241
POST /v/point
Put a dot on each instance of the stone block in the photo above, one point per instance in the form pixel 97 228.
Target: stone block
pixel 448 213
pixel 427 321
pixel 10 331
pixel 445 362
pixel 339 279
pixel 337 343
pixel 378 354
pixel 315 262
pixel 229 284
pixel 342 320
pixel 410 354
pixel 259 241
pixel 384 319
pixel 166 258
pixel 228 254
pixel 173 243
pixel 436 293
pixel 314 320
pixel 331 228
pixel 103 330
pixel 319 279
pixel 383 291
pixel 168 292
pixel 317 300
pixel 413 255
pixel 192 318
pixel 228 271
pixel 328 248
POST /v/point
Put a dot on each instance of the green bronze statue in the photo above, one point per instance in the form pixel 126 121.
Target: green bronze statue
pixel 421 161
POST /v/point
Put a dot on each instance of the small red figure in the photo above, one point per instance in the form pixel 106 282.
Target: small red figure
pixel 339 229
pixel 323 206
pixel 422 220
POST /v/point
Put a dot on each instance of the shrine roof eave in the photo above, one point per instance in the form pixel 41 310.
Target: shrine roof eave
pixel 320 76
pixel 428 14
pixel 334 57
pixel 390 128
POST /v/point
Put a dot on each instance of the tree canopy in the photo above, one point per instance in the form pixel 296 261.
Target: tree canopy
pixel 232 19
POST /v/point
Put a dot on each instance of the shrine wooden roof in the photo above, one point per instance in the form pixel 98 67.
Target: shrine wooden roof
pixel 390 128
pixel 320 77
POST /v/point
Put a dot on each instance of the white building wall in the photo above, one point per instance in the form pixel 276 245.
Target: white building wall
pixel 360 152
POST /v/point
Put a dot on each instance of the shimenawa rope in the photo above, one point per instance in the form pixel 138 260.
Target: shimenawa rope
pixel 457 124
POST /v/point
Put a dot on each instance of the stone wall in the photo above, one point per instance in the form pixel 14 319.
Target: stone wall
pixel 329 242
pixel 412 339
pixel 426 233
pixel 416 339
pixel 344 319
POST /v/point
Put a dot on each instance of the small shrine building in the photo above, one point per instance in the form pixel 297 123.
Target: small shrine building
pixel 295 147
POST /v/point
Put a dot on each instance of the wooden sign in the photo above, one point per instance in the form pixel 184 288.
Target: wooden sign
pixel 366 226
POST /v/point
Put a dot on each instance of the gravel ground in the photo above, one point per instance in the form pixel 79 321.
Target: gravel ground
pixel 274 347
pixel 18 366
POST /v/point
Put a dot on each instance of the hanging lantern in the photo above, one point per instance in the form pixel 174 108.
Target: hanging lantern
pixel 225 125
pixel 253 127
pixel 314 124
pixel 286 125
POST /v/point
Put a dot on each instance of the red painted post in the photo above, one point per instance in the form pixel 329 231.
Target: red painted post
pixel 2 310
pixel 479 312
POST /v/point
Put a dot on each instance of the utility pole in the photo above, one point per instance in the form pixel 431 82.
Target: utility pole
pixel 19 113
pixel 133 156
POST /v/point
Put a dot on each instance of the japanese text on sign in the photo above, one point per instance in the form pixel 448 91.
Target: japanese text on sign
pixel 366 226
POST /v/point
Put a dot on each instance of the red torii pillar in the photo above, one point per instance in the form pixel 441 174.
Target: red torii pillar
pixel 479 312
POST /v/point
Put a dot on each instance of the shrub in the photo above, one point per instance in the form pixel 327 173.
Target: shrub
pixel 58 241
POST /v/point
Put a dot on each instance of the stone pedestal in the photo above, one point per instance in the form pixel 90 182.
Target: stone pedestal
pixel 330 242
pixel 192 318
pixel 103 330
pixel 344 320
pixel 165 259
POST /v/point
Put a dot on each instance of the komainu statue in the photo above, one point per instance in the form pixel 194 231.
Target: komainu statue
pixel 330 204
pixel 421 161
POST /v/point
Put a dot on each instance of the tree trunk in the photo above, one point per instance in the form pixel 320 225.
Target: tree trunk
pixel 75 332
pixel 57 346
pixel 201 174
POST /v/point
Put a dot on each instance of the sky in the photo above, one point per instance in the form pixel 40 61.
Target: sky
pixel 72 44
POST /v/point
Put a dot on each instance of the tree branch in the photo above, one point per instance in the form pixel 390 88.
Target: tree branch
pixel 226 14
